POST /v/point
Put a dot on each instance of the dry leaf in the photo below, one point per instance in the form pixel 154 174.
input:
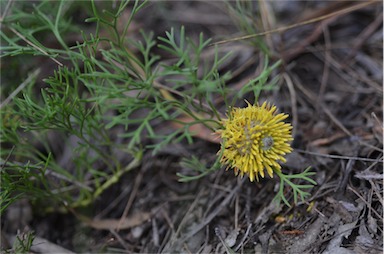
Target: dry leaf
pixel 198 130
pixel 112 224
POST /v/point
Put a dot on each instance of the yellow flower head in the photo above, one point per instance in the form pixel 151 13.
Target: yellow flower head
pixel 255 138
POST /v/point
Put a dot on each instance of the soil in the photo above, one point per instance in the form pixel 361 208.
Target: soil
pixel 330 85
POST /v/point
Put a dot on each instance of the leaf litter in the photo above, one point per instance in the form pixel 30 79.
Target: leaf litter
pixel 339 115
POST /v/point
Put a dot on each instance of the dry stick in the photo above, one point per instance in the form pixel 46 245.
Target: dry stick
pixel 34 46
pixel 167 219
pixel 2 165
pixel 347 170
pixel 341 126
pixel 243 67
pixel 363 36
pixel 218 233
pixel 237 213
pixel 376 190
pixel 309 237
pixel 241 243
pixel 351 73
pixel 120 239
pixel 346 73
pixel 377 119
pixel 292 93
pixel 187 248
pixel 190 209
pixel 361 175
pixel 312 97
pixel 281 29
pixel 168 233
pixel 327 140
pixel 288 55
pixel 131 198
pixel 325 76
pixel 5 13
pixel 371 208
pixel 340 157
pixel 336 121
pixel 365 201
pixel 183 221
pixel 49 172
pixel 267 19
pixel 20 87
pixel 212 215
pixel 112 204
pixel 155 232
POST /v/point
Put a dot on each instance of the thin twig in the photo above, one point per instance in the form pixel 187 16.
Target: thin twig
pixel 281 29
pixel 212 215
pixel 34 46
pixel 340 157
pixel 3 164
pixel 120 239
pixel 325 76
pixel 131 198
pixel 335 120
pixel 363 199
pixel 364 35
pixel 312 97
pixel 20 87
pixel 49 172
pixel 5 13
pixel 292 93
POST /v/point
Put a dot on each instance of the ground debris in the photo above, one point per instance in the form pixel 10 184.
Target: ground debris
pixel 308 240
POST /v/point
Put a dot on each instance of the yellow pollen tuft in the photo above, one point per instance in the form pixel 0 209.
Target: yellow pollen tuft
pixel 255 138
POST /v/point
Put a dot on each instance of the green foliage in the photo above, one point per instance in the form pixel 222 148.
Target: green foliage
pixel 261 83
pixel 75 102
pixel 247 18
pixel 196 165
pixel 22 243
pixel 103 98
pixel 298 189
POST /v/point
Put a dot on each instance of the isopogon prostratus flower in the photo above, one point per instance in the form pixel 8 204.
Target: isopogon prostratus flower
pixel 255 139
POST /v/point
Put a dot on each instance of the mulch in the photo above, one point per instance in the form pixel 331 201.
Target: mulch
pixel 330 84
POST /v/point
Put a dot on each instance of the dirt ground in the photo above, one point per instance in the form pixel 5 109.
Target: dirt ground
pixel 331 85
